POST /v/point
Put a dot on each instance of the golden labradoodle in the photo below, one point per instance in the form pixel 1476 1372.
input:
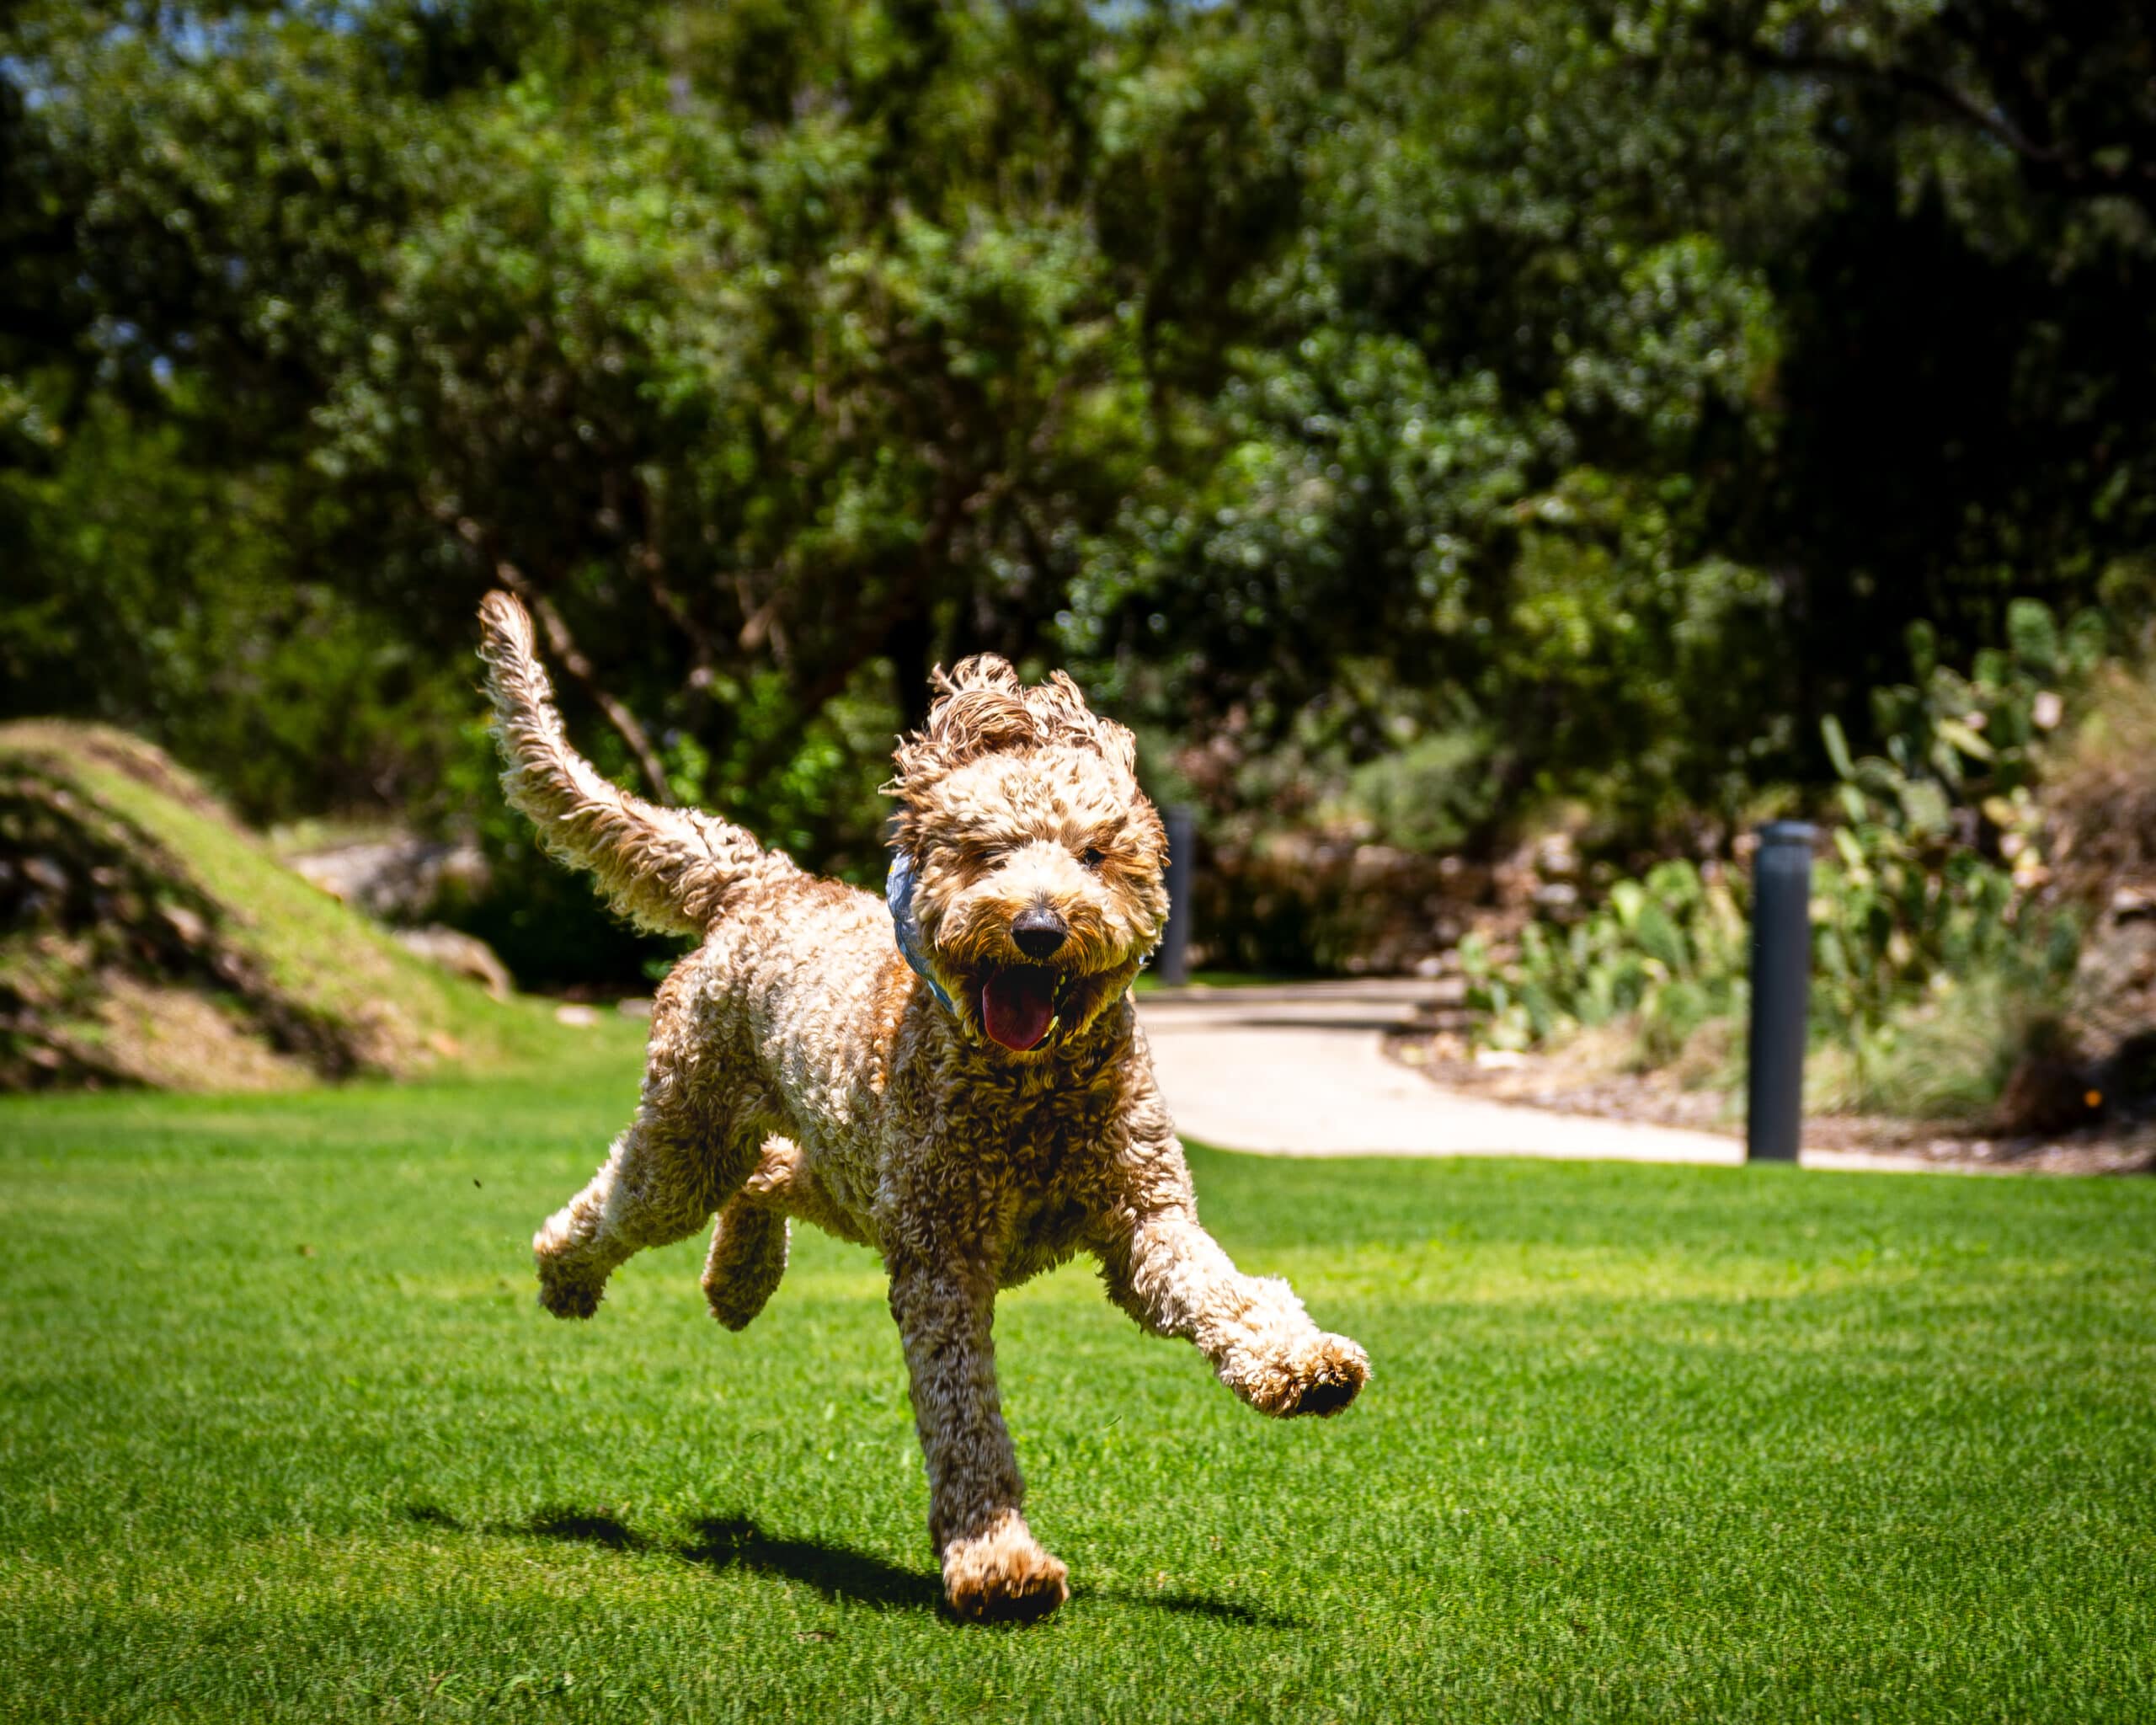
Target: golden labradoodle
pixel 955 1077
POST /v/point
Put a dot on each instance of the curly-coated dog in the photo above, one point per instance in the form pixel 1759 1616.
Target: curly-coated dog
pixel 954 1077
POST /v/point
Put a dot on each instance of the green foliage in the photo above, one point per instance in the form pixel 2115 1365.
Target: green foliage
pixel 1463 435
pixel 1923 923
pixel 1431 796
pixel 1611 384
pixel 734 338
pixel 152 592
pixel 1951 1055
pixel 1666 952
pixel 1940 836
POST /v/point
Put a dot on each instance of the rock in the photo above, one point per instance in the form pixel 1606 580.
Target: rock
pixel 2129 901
pixel 43 872
pixel 399 878
pixel 463 953
pixel 1556 856
pixel 2047 1091
pixel 2111 1019
pixel 188 925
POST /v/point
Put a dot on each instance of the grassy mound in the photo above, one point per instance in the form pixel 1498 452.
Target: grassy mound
pixel 147 938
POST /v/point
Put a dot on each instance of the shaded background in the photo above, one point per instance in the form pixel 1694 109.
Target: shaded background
pixel 1434 424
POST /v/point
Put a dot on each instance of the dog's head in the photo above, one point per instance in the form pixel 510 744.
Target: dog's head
pixel 1037 862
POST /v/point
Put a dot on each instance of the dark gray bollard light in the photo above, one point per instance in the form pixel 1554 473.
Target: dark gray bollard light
pixel 1781 989
pixel 1172 965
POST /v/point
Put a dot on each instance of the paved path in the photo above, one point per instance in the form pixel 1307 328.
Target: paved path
pixel 1298 1070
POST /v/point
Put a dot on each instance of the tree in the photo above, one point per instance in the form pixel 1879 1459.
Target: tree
pixel 1574 401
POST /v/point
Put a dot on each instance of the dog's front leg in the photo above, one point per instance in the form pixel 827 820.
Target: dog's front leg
pixel 1173 1276
pixel 993 1566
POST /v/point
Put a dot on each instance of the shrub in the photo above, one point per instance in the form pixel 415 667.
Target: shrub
pixel 1936 963
pixel 1667 950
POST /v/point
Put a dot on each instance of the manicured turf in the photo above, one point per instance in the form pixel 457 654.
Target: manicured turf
pixel 282 1434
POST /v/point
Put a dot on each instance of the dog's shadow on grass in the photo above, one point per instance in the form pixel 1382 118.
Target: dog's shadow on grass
pixel 836 1571
pixel 1197 1605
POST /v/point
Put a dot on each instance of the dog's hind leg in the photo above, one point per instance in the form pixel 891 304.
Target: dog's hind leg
pixel 748 1248
pixel 748 1258
pixel 678 1162
pixel 653 1189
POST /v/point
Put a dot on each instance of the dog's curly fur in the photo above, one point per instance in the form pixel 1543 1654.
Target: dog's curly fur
pixel 799 1068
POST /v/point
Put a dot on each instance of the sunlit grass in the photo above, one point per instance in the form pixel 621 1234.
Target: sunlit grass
pixel 1149 981
pixel 282 1434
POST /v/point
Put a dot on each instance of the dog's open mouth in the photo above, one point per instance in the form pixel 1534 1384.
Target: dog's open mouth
pixel 1018 1005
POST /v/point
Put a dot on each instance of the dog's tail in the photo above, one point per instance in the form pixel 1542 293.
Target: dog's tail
pixel 665 869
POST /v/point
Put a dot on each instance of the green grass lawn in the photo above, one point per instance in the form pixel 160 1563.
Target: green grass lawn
pixel 1149 981
pixel 282 1433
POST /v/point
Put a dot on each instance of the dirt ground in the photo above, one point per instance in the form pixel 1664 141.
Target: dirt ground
pixel 1581 1082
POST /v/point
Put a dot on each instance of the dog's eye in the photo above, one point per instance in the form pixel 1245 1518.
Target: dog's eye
pixel 1093 856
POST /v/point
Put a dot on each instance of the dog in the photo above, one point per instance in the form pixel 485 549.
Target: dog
pixel 954 1077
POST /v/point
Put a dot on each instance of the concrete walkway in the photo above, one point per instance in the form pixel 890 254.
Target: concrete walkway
pixel 1298 1070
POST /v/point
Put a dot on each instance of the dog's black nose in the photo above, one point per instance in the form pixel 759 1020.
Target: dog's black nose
pixel 1039 932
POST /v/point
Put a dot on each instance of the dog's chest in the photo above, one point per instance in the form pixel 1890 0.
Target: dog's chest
pixel 1053 1166
pixel 1048 1228
pixel 1041 1141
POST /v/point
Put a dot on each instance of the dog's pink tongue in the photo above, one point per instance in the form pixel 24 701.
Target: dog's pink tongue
pixel 1016 1007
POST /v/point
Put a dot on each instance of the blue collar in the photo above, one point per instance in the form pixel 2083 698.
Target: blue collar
pixel 898 894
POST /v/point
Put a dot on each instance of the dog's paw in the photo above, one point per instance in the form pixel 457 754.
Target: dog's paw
pixel 1328 1377
pixel 1004 1575
pixel 567 1296
pixel 1320 1377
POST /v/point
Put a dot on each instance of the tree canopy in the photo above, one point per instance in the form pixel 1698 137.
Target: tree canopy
pixel 1582 397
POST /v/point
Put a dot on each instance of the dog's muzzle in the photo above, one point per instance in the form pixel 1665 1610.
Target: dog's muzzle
pixel 1038 932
